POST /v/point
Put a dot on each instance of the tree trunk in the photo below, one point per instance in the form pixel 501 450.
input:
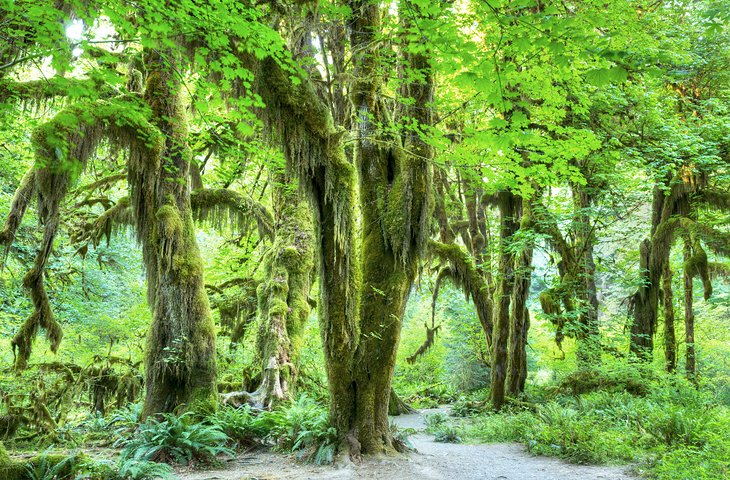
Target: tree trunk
pixel 667 208
pixel 505 281
pixel 180 358
pixel 670 340
pixel 283 295
pixel 387 283
pixel 520 316
pixel 395 199
pixel 360 320
pixel 689 317
pixel 589 334
pixel 396 405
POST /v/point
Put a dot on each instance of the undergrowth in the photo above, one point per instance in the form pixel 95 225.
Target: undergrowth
pixel 673 430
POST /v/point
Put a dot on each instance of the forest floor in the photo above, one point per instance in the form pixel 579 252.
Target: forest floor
pixel 433 460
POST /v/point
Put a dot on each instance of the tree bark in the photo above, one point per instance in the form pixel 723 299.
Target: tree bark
pixel 689 317
pixel 364 285
pixel 520 316
pixel 654 253
pixel 670 340
pixel 283 295
pixel 505 280
pixel 589 334
pixel 180 360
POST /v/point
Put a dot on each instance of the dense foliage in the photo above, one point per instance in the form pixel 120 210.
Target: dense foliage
pixel 238 223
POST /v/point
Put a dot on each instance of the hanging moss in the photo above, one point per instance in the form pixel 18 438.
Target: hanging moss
pixel 236 303
pixel 63 146
pixel 716 199
pixel 464 274
pixel 426 345
pixel 112 221
pixel 549 303
pixel 718 270
pixel 38 91
pixel 21 200
pixel 227 208
pixel 717 241
pixel 697 266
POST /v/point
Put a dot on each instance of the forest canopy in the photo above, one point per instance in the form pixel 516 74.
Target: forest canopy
pixel 228 211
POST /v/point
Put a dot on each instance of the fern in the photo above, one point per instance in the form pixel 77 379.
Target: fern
pixel 173 439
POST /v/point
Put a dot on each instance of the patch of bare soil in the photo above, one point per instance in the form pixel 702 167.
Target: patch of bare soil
pixel 432 461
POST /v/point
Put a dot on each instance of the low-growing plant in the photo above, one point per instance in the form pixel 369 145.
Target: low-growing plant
pixel 434 421
pixel 125 420
pixel 447 433
pixel 303 428
pixel 51 467
pixel 464 407
pixel 140 469
pixel 175 439
pixel 402 436
pixel 126 469
pixel 240 424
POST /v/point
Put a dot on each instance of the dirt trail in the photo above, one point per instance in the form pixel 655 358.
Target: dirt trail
pixel 434 461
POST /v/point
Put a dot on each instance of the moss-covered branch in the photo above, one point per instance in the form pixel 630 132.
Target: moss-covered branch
pixel 223 206
pixel 716 240
pixel 465 275
pixel 62 147
pixel 716 199
pixel 114 218
pixel 57 86
pixel 21 200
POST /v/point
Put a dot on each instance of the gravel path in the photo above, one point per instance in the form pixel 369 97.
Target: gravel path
pixel 434 461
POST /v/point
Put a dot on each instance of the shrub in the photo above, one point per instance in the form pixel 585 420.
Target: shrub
pixel 129 469
pixel 401 437
pixel 51 467
pixel 464 407
pixel 588 380
pixel 691 463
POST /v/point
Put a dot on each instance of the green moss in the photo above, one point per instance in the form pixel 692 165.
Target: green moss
pixel 170 220
pixel 550 302
pixel 278 308
pixel 64 467
pixel 589 380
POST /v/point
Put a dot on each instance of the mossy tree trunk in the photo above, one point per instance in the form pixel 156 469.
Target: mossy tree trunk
pixel 283 295
pixel 366 267
pixel 395 205
pixel 690 366
pixel 654 254
pixel 670 340
pixel 508 205
pixel 180 363
pixel 589 335
pixel 519 315
pixel 575 299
